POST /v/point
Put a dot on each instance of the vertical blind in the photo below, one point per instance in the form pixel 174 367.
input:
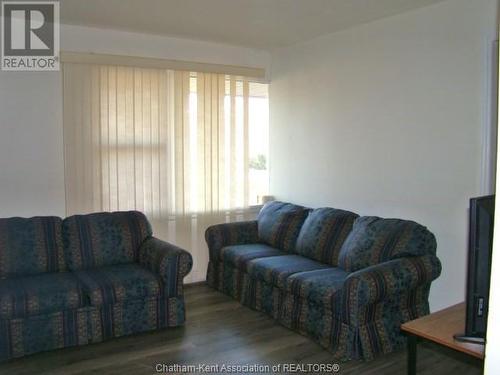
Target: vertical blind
pixel 131 141
pixel 172 144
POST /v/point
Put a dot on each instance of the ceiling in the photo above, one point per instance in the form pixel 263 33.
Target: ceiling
pixel 265 24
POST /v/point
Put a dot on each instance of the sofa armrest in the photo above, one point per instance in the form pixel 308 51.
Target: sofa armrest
pixel 169 262
pixel 237 233
pixel 385 281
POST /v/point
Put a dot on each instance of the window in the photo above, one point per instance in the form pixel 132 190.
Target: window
pixel 162 141
pixel 259 142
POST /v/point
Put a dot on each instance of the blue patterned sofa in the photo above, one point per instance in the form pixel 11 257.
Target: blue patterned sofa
pixel 346 281
pixel 85 279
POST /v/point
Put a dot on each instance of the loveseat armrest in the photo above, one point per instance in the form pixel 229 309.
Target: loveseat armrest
pixel 237 233
pixel 384 281
pixel 169 262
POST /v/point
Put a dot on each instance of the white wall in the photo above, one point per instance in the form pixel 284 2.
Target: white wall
pixel 492 360
pixel 31 148
pixel 31 160
pixel 385 119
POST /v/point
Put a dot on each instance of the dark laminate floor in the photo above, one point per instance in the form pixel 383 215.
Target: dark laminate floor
pixel 220 330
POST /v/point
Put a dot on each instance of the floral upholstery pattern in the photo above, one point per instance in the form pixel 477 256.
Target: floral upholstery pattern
pixel 354 313
pixel 377 332
pixel 39 294
pixel 275 270
pixel 30 246
pixel 104 239
pixel 222 235
pixel 375 284
pixel 323 233
pixel 239 255
pixel 317 286
pixel 374 240
pixel 279 224
pixel 349 327
pixel 38 333
pixel 82 326
pixel 169 262
pixel 225 235
pixel 121 281
pixel 232 262
pixel 112 284
pixel 140 315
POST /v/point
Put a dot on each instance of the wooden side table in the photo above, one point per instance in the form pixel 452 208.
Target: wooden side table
pixel 439 327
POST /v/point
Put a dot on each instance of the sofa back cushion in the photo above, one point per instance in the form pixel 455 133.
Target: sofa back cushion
pixel 323 233
pixel 104 239
pixel 279 224
pixel 374 240
pixel 30 246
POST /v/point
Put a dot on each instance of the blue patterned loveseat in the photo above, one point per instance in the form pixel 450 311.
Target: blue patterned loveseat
pixel 346 281
pixel 85 279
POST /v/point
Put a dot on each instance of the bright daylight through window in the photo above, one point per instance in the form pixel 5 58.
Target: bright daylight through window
pixel 163 142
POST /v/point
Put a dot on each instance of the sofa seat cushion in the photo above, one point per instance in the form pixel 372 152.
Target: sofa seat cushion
pixel 238 256
pixel 374 240
pixel 318 286
pixel 112 284
pixel 279 224
pixel 275 270
pixel 104 239
pixel 323 234
pixel 39 294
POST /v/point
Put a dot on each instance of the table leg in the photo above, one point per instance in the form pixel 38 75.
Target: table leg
pixel 412 355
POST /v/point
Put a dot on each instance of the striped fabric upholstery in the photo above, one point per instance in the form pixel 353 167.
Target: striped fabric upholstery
pixel 318 286
pixel 30 246
pixel 61 329
pixel 225 235
pixel 222 235
pixel 374 240
pixel 354 313
pixel 323 234
pixel 367 287
pixel 121 281
pixel 239 255
pixel 279 224
pixel 39 294
pixel 169 262
pixel 233 263
pixel 352 317
pixel 66 328
pixel 275 270
pixel 353 320
pixel 129 317
pixel 378 330
pixel 104 239
pixel 112 284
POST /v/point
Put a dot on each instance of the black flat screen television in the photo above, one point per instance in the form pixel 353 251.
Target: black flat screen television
pixel 481 217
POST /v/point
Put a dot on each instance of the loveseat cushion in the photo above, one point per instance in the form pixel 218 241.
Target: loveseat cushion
pixel 39 294
pixel 374 240
pixel 275 270
pixel 323 233
pixel 112 284
pixel 317 286
pixel 279 224
pixel 104 239
pixel 30 246
pixel 239 255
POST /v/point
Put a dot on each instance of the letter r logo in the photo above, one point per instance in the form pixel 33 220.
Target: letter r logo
pixel 28 28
